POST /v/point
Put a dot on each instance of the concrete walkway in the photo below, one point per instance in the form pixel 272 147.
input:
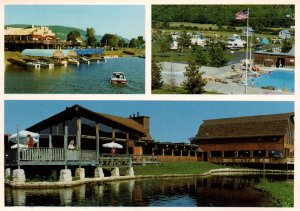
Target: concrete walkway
pixel 219 79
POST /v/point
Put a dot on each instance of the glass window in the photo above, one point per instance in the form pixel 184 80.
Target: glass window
pixel 105 131
pixel 88 127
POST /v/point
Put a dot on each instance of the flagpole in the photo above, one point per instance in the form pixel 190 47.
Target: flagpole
pixel 246 77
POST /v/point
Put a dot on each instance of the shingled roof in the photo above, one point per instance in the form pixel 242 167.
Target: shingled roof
pixel 122 122
pixel 249 126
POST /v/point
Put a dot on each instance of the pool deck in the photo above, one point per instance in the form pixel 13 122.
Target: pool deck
pixel 220 79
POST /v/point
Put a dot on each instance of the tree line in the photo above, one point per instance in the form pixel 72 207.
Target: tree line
pixel 261 16
pixel 108 40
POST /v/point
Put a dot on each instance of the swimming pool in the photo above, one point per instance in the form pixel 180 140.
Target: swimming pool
pixel 277 78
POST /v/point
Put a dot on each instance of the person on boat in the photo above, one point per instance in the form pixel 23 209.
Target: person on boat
pixel 71 145
pixel 30 142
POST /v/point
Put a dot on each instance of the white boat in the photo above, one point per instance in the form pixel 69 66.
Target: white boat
pixel 118 78
pixel 84 60
pixel 34 65
pixel 47 65
pixel 235 43
pixel 73 61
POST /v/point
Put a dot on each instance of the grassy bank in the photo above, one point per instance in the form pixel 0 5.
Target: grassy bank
pixel 282 194
pixel 167 89
pixel 176 168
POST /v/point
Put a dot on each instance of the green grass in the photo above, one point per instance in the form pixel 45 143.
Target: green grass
pixel 282 194
pixel 166 89
pixel 176 168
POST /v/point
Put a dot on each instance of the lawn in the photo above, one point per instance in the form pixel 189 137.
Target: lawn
pixel 176 168
pixel 167 89
pixel 282 194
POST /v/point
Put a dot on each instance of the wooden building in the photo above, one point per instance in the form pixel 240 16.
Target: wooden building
pixel 250 139
pixel 275 58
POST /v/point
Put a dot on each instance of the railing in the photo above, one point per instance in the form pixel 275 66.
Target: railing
pixel 140 159
pixel 42 154
pixel 116 160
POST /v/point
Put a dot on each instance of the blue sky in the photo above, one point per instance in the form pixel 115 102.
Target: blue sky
pixel 125 20
pixel 173 121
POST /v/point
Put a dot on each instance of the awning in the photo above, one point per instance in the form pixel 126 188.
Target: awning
pixel 50 53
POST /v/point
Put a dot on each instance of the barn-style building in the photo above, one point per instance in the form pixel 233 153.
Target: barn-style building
pixel 249 139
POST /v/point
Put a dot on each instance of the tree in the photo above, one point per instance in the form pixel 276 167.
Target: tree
pixel 286 46
pixel 156 79
pixel 140 41
pixel 111 40
pixel 201 57
pixel 194 84
pixel 184 41
pixel 164 42
pixel 216 54
pixel 91 37
pixel 73 36
pixel 122 43
pixel 133 43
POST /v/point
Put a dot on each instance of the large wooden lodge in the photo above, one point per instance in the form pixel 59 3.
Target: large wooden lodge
pixel 267 139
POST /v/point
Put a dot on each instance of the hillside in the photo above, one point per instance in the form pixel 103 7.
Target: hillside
pixel 62 31
pixel 260 15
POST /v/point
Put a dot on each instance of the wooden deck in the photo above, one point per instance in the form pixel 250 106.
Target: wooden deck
pixel 59 156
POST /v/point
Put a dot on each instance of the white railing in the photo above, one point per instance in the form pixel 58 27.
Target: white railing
pixel 42 154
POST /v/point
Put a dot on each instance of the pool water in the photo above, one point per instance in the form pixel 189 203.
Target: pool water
pixel 277 78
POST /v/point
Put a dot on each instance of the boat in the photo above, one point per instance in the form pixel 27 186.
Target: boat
pixel 73 61
pixel 46 64
pixel 35 65
pixel 118 78
pixel 84 60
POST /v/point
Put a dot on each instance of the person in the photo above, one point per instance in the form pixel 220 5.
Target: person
pixel 113 151
pixel 71 144
pixel 30 142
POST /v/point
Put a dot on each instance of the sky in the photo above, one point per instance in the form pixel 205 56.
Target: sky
pixel 170 121
pixel 124 20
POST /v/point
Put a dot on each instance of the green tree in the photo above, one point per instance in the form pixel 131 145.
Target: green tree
pixel 286 46
pixel 184 41
pixel 194 84
pixel 141 41
pixel 201 57
pixel 133 43
pixel 91 37
pixel 216 54
pixel 73 36
pixel 111 40
pixel 164 42
pixel 122 43
pixel 156 79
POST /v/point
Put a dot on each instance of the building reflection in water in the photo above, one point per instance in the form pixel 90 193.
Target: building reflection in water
pixel 66 196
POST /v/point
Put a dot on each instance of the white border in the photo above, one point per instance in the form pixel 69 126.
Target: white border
pixel 147 95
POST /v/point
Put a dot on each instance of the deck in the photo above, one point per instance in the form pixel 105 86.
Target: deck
pixel 59 156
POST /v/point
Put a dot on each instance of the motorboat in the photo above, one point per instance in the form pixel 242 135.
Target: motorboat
pixel 73 61
pixel 118 78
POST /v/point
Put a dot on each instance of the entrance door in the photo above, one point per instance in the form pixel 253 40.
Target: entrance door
pixel 205 158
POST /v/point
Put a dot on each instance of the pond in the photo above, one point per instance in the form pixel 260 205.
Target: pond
pixel 217 191
pixel 83 79
pixel 277 78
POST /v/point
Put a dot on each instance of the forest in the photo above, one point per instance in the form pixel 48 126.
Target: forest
pixel 261 16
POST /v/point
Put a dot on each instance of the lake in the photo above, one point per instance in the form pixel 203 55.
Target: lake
pixel 217 191
pixel 83 79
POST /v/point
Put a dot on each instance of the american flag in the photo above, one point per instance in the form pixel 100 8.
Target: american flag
pixel 242 15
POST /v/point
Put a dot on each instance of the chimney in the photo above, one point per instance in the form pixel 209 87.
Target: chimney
pixel 133 115
pixel 138 114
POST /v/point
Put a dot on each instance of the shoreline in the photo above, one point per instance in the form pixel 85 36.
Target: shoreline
pixel 213 172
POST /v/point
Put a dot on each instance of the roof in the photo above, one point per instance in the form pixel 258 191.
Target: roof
pixel 285 31
pixel 40 30
pixel 89 51
pixel 69 53
pixel 111 120
pixel 291 53
pixel 43 53
pixel 241 127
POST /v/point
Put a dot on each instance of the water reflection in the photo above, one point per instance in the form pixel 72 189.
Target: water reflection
pixel 230 191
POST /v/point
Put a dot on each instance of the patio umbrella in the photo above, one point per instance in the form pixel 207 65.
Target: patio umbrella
pixel 20 146
pixel 23 137
pixel 113 145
